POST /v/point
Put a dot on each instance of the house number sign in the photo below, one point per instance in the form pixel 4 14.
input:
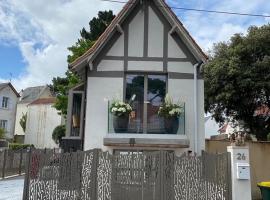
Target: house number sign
pixel 240 156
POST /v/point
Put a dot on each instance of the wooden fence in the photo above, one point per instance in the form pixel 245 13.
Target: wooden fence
pixel 12 162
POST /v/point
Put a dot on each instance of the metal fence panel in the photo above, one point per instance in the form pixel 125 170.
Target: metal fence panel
pixel 98 175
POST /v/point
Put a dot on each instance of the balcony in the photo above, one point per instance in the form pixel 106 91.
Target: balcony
pixel 144 119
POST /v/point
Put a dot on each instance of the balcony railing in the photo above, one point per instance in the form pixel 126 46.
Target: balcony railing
pixel 139 122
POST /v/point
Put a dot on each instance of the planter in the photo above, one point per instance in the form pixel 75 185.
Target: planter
pixel 120 123
pixel 171 125
pixel 265 190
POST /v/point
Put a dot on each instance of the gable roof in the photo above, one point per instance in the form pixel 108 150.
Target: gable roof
pixel 31 93
pixel 4 85
pixel 166 10
pixel 49 100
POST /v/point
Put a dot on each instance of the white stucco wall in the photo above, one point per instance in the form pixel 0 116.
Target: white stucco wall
pixel 145 66
pixel 118 47
pixel 9 113
pixel 183 90
pixel 41 121
pixel 135 39
pixel 111 65
pixel 173 50
pixel 21 109
pixel 180 67
pixel 155 35
pixel 99 91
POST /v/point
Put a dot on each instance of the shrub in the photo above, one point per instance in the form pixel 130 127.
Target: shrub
pixel 2 133
pixel 58 133
pixel 17 146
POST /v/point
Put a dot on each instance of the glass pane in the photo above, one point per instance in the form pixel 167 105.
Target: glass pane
pixel 135 96
pixel 155 95
pixel 76 114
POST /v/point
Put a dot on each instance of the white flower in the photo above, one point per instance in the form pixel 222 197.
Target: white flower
pixel 114 109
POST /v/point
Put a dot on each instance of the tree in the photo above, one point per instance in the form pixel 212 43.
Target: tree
pixel 237 81
pixel 97 26
pixel 58 133
pixel 61 87
pixel 23 121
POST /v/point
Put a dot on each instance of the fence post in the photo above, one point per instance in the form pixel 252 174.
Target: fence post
pixel 4 163
pixel 241 185
pixel 20 164
pixel 94 173
pixel 27 175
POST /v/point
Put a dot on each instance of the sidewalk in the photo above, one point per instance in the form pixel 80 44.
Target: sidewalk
pixel 12 188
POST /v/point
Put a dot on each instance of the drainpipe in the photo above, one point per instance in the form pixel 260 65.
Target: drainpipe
pixel 196 67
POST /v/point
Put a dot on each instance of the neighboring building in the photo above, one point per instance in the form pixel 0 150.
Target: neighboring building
pixel 29 95
pixel 145 53
pixel 8 101
pixel 42 118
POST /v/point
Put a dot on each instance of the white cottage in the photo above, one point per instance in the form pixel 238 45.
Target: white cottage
pixel 144 53
pixel 8 101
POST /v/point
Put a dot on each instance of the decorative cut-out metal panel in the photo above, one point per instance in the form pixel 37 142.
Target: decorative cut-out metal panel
pixel 97 175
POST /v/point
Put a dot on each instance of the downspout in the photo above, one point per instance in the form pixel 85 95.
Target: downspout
pixel 196 67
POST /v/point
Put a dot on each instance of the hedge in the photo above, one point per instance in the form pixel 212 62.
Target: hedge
pixel 16 146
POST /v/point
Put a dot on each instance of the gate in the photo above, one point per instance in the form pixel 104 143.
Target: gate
pixel 98 175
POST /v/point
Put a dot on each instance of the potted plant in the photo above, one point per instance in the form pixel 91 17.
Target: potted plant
pixel 120 111
pixel 265 190
pixel 171 112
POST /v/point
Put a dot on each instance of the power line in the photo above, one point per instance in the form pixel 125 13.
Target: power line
pixel 201 10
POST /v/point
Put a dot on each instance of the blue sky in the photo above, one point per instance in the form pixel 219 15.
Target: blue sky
pixel 34 35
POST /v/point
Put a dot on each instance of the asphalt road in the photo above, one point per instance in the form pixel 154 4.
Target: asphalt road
pixel 12 188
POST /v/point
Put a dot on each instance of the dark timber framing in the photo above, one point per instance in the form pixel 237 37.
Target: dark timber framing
pixel 146 26
pixel 126 58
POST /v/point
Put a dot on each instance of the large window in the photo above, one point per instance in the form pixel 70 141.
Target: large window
pixel 145 93
pixel 5 102
pixel 3 124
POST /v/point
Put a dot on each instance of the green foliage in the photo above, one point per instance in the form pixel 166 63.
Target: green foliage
pixel 81 46
pixel 237 80
pixel 58 133
pixel 170 109
pixel 97 26
pixel 17 146
pixel 2 133
pixel 23 121
pixel 268 137
pixel 61 87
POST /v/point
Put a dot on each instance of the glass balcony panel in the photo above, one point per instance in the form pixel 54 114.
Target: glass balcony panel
pixel 135 123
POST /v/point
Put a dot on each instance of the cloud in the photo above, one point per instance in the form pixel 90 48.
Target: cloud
pixel 209 28
pixel 43 30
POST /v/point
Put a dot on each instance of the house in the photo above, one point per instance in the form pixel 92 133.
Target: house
pixel 143 54
pixel 8 101
pixel 42 118
pixel 36 103
pixel 28 95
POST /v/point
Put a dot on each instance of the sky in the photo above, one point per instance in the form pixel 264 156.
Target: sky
pixel 34 35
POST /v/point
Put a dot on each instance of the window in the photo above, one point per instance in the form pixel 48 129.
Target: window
pixel 5 102
pixel 3 124
pixel 146 93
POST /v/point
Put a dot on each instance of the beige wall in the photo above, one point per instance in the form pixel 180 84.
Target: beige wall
pixel 259 161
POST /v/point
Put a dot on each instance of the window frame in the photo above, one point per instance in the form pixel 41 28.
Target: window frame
pixel 4 121
pixel 5 102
